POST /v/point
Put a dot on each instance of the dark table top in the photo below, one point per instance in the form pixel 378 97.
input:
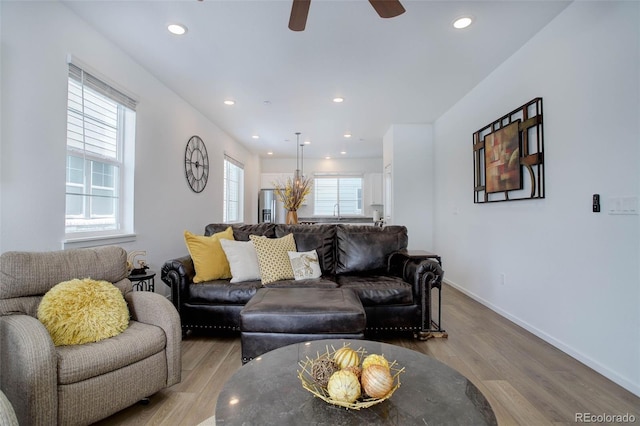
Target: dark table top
pixel 267 391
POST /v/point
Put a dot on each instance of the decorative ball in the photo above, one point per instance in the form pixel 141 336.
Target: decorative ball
pixel 322 369
pixel 346 357
pixel 375 359
pixel 344 386
pixel 355 370
pixel 376 381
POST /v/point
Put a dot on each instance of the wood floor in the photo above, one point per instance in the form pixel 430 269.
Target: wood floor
pixel 527 381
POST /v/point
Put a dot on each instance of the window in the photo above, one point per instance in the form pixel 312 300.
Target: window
pixel 233 190
pixel 337 194
pixel 100 130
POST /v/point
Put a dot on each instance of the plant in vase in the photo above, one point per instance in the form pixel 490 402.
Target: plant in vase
pixel 292 194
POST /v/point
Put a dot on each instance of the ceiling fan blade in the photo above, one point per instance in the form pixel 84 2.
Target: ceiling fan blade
pixel 299 12
pixel 387 8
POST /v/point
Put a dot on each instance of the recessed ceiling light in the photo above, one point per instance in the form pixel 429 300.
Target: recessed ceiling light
pixel 462 22
pixel 343 152
pixel 338 100
pixel 255 137
pixel 177 29
pixel 327 158
pixel 307 142
pixel 229 102
pixel 270 153
pixel 347 135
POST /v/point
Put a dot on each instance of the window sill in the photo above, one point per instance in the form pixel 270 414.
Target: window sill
pixel 105 240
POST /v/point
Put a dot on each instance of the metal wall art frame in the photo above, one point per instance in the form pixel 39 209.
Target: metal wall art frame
pixel 508 157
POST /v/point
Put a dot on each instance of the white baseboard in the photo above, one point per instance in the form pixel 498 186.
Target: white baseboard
pixel 586 360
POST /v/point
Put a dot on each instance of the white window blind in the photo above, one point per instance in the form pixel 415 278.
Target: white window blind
pixel 333 194
pixel 233 190
pixel 99 121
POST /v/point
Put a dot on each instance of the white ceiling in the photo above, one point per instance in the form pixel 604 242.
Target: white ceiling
pixel 408 69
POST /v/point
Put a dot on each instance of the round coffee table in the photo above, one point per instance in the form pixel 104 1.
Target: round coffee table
pixel 267 390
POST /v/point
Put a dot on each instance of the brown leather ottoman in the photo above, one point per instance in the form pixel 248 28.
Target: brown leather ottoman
pixel 277 317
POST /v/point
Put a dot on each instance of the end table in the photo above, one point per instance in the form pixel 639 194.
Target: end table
pixel 145 282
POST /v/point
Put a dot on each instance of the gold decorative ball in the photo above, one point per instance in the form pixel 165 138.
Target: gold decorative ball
pixel 376 381
pixel 344 386
pixel 355 370
pixel 375 359
pixel 346 357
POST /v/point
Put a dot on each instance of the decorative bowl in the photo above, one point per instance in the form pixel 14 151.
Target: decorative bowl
pixel 310 384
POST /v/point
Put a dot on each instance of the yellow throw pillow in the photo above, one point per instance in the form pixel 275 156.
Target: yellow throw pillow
pixel 209 259
pixel 273 257
pixel 83 311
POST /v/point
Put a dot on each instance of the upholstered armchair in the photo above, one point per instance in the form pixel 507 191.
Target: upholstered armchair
pixel 82 383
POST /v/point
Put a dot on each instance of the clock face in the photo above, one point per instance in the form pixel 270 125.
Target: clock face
pixel 196 164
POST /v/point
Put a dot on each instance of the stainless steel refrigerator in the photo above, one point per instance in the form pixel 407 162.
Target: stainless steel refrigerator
pixel 270 209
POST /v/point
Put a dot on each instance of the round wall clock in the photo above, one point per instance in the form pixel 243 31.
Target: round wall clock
pixel 196 164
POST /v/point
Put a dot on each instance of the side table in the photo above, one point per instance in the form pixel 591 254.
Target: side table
pixel 145 282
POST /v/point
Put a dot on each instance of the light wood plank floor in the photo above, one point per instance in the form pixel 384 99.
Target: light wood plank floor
pixel 527 381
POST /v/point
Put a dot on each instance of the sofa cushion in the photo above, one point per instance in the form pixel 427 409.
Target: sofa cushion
pixel 241 232
pixel 322 282
pixel 221 292
pixel 320 238
pixel 243 260
pixel 375 290
pixel 367 248
pixel 209 259
pixel 273 257
pixel 305 264
pixel 81 362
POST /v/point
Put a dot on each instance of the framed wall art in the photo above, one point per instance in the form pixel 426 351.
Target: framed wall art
pixel 508 158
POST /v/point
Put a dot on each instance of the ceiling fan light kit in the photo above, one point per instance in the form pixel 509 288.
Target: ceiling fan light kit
pixel 300 11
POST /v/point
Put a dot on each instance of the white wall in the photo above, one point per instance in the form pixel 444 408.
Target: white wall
pixel 36 38
pixel 409 150
pixel 571 276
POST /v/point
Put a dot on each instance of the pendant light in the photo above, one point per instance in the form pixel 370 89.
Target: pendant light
pixel 297 176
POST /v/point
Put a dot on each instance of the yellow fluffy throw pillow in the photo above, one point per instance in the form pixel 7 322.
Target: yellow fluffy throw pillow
pixel 208 256
pixel 83 311
pixel 273 257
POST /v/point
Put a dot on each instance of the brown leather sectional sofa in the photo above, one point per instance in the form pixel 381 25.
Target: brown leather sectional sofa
pixel 371 261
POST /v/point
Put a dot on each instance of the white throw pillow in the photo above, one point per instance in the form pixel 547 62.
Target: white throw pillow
pixel 305 264
pixel 243 260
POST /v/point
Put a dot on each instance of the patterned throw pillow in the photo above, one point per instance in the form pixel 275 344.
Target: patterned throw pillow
pixel 305 264
pixel 273 257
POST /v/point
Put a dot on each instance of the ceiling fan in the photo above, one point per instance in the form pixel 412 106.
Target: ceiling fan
pixel 300 10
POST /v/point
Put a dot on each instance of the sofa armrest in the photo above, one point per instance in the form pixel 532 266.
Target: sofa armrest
pixel 155 309
pixel 178 275
pixel 423 275
pixel 28 369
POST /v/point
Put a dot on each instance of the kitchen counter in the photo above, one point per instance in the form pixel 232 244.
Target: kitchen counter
pixel 357 220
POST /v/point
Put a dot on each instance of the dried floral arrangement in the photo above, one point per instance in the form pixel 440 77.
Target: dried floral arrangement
pixel 291 193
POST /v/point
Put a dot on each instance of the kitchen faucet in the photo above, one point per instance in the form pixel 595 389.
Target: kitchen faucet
pixel 336 205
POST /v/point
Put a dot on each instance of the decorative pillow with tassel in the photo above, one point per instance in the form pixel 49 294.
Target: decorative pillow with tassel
pixel 83 311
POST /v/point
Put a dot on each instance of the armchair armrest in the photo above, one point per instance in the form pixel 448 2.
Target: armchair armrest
pixel 154 309
pixel 28 369
pixel 178 274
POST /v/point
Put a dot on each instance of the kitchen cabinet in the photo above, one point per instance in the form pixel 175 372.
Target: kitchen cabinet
pixel 375 188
